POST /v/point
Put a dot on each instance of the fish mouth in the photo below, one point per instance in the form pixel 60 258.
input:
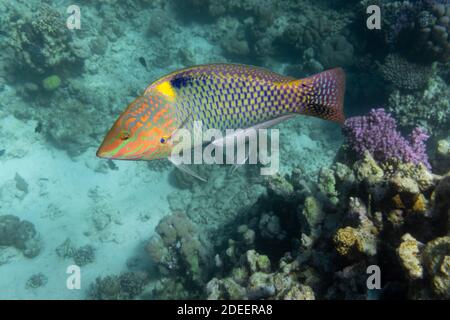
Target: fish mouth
pixel 102 154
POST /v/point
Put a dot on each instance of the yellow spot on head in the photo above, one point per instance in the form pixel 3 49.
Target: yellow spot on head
pixel 166 89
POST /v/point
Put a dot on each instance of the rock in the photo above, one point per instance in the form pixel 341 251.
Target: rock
pixel 257 262
pixel 442 195
pixel 327 184
pixel 312 211
pixel 239 275
pixel 404 184
pixel 279 186
pixel 21 183
pixel 368 170
pixel 442 161
pixel 260 286
pixel 224 289
pixel 436 259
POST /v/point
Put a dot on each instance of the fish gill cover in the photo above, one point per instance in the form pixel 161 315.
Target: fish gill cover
pixel 347 203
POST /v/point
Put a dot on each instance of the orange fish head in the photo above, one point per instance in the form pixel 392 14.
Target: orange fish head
pixel 142 132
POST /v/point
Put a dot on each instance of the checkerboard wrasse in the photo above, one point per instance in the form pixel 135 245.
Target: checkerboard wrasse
pixel 221 96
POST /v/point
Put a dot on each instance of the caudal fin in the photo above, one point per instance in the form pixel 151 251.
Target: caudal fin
pixel 324 95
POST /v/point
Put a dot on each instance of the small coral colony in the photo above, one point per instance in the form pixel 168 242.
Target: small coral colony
pixel 378 205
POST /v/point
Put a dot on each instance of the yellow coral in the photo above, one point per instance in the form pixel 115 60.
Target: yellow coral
pixel 408 252
pixel 346 240
pixel 398 202
pixel 420 204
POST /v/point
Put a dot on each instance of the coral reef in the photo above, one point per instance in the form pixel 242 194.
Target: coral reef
pixel 252 279
pixel 419 29
pixel 407 211
pixel 432 28
pixel 41 42
pixel 81 256
pixel 309 232
pixel 178 250
pixel 220 205
pixel 306 239
pixel 20 234
pixel 336 51
pixel 36 281
pixel 403 74
pixel 126 286
pixel 427 109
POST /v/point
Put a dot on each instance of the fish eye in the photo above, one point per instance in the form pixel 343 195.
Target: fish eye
pixel 164 139
pixel 124 135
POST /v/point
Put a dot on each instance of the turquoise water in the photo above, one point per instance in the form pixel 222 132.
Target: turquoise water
pixel 75 226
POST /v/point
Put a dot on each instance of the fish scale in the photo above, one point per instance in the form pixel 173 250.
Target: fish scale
pixel 240 97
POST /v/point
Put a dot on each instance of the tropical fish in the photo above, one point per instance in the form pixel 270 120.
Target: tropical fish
pixel 221 96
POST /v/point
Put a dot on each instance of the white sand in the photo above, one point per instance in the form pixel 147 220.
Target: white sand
pixel 61 207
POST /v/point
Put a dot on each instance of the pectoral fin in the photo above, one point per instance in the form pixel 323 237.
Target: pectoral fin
pixel 185 168
pixel 230 139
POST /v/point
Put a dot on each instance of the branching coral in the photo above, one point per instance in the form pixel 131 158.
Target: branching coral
pixel 42 42
pixel 377 133
pixel 128 285
pixel 81 256
pixel 403 74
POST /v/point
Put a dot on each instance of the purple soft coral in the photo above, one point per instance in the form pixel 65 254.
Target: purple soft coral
pixel 377 133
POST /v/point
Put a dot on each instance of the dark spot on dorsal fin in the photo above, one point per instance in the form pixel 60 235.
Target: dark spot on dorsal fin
pixel 181 81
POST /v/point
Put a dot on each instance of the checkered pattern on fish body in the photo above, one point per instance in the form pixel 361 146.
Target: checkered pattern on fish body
pixel 227 100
